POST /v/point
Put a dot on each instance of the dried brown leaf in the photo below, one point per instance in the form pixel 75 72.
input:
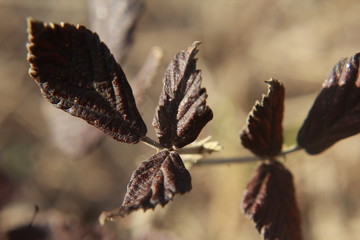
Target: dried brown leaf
pixel 77 73
pixel 115 22
pixel 270 202
pixel 182 111
pixel 263 133
pixel 155 181
pixel 335 114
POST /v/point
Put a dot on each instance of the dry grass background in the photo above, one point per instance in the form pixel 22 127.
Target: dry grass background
pixel 244 44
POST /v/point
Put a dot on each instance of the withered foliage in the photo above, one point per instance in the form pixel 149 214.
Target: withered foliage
pixel 154 182
pixel 180 116
pixel 77 73
pixel 263 133
pixel 269 198
pixel 115 22
pixel 335 114
pixel 182 111
pixel 270 202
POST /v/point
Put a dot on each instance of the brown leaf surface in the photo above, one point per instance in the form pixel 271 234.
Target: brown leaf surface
pixel 182 111
pixel 335 114
pixel 263 133
pixel 155 181
pixel 114 21
pixel 270 202
pixel 77 73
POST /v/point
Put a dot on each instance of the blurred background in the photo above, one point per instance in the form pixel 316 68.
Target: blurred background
pixel 72 176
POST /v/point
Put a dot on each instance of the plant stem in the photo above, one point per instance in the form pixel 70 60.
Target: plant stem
pixel 245 159
pixel 290 149
pixel 201 149
pixel 216 161
pixel 152 143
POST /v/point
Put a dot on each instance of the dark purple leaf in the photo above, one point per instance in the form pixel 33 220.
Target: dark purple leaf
pixel 182 111
pixel 335 114
pixel 115 22
pixel 156 181
pixel 270 202
pixel 263 133
pixel 77 73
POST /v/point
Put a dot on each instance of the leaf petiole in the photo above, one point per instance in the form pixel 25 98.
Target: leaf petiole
pixel 151 142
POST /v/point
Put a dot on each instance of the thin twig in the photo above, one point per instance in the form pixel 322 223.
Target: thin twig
pixel 290 149
pixel 216 161
pixel 245 159
pixel 206 148
pixel 191 150
pixel 152 143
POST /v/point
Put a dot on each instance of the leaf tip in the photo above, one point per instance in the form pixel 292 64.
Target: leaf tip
pixel 194 46
pixel 274 83
pixel 196 43
pixel 29 21
pixel 34 26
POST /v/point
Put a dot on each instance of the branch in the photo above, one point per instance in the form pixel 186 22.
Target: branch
pixel 245 159
pixel 204 146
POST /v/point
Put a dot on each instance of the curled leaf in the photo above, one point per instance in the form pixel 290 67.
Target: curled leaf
pixel 270 202
pixel 335 114
pixel 155 181
pixel 263 133
pixel 182 111
pixel 77 73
